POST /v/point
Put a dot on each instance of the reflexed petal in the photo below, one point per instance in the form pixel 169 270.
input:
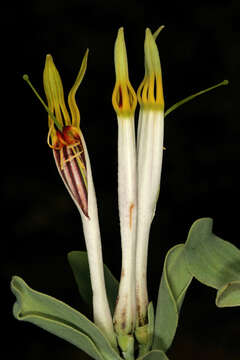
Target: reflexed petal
pixel 75 114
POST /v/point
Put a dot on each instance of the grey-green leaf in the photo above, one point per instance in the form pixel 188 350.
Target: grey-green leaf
pixel 150 323
pixel 144 334
pixel 154 355
pixel 229 295
pixel 213 261
pixel 173 286
pixel 60 319
pixel 78 261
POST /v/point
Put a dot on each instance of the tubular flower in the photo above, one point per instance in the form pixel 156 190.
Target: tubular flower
pixel 71 157
pixel 72 160
pixel 124 102
pixel 149 160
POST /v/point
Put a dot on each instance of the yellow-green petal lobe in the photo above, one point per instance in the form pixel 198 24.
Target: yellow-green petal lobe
pixel 54 92
pixel 150 91
pixel 120 57
pixel 124 98
pixel 75 114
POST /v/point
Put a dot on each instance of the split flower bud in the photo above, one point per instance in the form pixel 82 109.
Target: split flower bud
pixel 64 135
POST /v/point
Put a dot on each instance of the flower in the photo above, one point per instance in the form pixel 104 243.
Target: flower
pixel 149 160
pixel 124 102
pixel 73 164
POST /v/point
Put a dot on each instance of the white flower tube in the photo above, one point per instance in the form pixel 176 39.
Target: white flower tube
pixel 124 102
pixel 149 164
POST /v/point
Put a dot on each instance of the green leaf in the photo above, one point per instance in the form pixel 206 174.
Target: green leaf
pixel 78 261
pixel 154 355
pixel 229 295
pixel 211 260
pixel 173 286
pixel 60 319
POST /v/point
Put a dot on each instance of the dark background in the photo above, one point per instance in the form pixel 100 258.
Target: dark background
pixel 198 48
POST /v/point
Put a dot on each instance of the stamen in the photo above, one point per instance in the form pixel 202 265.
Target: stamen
pixel 119 100
pixel 56 122
pixel 76 154
pixel 124 99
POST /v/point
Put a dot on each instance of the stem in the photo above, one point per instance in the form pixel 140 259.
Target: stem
pixel 56 122
pixel 191 97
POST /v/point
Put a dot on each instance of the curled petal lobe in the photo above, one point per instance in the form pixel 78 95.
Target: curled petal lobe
pixel 75 114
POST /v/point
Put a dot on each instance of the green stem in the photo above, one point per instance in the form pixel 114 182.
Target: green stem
pixel 56 122
pixel 181 102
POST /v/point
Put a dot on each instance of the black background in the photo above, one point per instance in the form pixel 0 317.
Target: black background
pixel 198 48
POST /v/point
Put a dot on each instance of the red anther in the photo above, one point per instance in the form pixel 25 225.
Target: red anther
pixel 120 100
pixel 70 135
